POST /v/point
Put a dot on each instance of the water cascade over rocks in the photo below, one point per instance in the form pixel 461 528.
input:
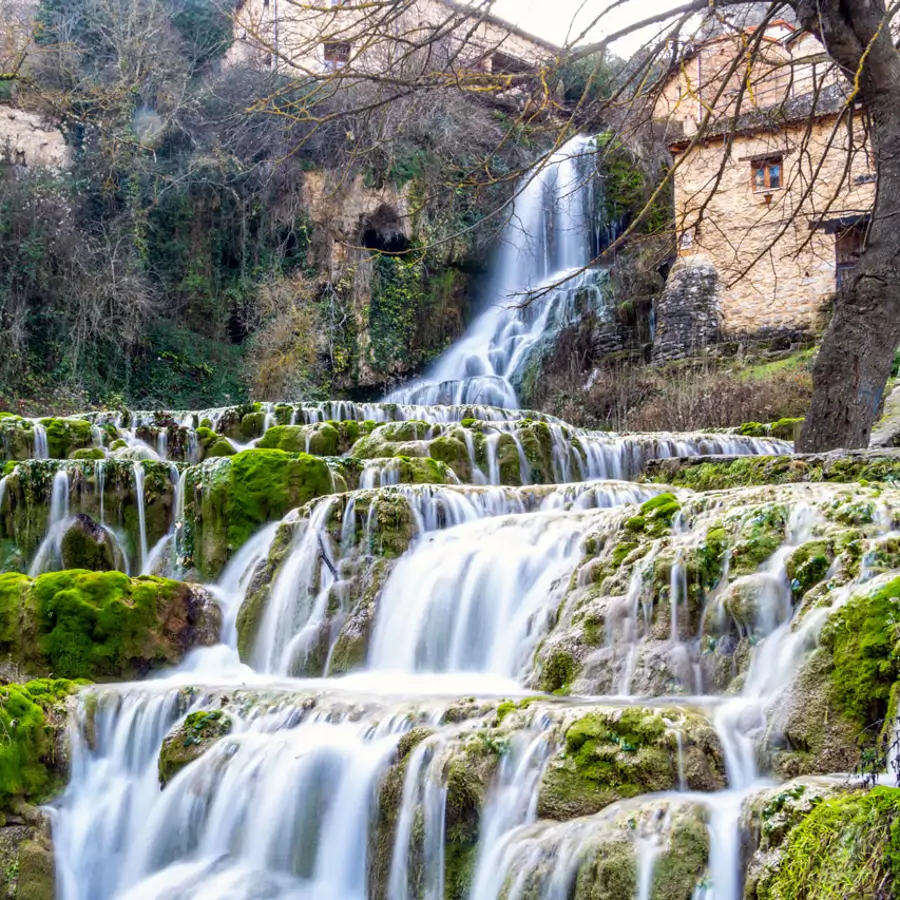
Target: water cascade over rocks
pixel 455 652
pixel 541 284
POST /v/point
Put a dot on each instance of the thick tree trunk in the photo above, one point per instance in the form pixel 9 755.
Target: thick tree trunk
pixel 855 360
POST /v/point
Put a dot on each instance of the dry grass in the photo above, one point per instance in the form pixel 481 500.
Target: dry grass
pixel 679 397
pixel 282 353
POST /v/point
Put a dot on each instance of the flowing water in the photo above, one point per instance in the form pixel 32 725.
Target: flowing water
pixel 389 652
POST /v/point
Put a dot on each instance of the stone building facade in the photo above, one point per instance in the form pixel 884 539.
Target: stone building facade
pixel 424 35
pixel 773 185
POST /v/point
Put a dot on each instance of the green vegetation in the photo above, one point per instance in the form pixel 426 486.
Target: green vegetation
pixel 863 637
pixel 100 625
pixel 32 720
pixel 656 516
pixel 757 470
pixel 242 493
pixel 607 757
pixel 848 846
pixel 558 670
pixel 783 429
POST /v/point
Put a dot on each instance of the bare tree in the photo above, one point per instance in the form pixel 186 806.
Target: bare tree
pixel 387 53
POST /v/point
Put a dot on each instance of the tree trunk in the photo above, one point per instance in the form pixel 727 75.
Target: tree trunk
pixel 854 363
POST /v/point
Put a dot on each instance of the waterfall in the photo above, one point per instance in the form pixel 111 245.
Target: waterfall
pixel 41 445
pixel 144 557
pixel 528 681
pixel 49 552
pixel 484 592
pixel 540 277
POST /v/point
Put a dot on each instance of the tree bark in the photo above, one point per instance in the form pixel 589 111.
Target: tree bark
pixel 854 363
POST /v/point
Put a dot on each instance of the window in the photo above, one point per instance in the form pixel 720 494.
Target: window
pixel 849 246
pixel 767 174
pixel 337 55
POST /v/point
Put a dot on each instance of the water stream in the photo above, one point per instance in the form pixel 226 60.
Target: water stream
pixel 404 668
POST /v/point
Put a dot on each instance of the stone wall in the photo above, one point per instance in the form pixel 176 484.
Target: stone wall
pixel 27 141
pixel 688 313
pixel 776 271
pixel 293 35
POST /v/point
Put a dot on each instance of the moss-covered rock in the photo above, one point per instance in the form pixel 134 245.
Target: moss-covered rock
pixel 17 438
pixel 32 756
pixel 768 819
pixel 85 545
pixel 863 639
pixel 213 445
pixel 612 755
pixel 190 740
pixel 229 499
pixel 26 858
pixel 702 473
pixel 94 453
pixel 807 732
pixel 102 489
pixel 102 625
pixel 783 429
pixel 319 439
pixel 67 435
pixel 847 846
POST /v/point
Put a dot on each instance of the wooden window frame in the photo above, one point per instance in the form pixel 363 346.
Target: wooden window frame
pixel 336 55
pixel 766 165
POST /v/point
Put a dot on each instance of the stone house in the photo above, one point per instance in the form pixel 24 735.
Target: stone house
pixel 421 35
pixel 773 186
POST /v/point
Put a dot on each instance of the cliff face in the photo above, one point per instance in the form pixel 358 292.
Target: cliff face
pixel 30 141
pixel 392 302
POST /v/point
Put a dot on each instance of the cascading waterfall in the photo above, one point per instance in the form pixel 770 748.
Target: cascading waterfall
pixel 540 278
pixel 41 445
pixel 521 563
pixel 49 552
pixel 144 557
pixel 380 719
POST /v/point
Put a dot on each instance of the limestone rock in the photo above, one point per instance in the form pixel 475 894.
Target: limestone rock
pixel 85 545
pixel 103 625
pixel 886 432
pixel 190 740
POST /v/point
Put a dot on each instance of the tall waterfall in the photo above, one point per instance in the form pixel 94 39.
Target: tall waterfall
pixel 486 657
pixel 539 278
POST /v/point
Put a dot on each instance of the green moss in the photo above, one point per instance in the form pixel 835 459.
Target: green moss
pixel 848 846
pixel 608 756
pixel 31 715
pixel 610 873
pixel 710 557
pixel 96 625
pixel 622 551
pixel 453 452
pixel 199 731
pixel 92 453
pixel 36 872
pixel 783 429
pixel 322 439
pixel 222 447
pixel 863 638
pixel 808 565
pixel 252 425
pixel 759 470
pixel 558 671
pixel 241 494
pixel 656 516
pixel 66 435
pixel 760 538
pixel 680 869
